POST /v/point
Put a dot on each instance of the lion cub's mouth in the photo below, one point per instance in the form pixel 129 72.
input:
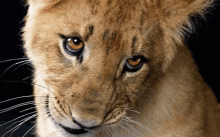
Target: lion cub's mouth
pixel 69 130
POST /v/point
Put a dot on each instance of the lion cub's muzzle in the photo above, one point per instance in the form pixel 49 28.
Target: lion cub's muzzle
pixel 83 126
pixel 82 129
pixel 84 106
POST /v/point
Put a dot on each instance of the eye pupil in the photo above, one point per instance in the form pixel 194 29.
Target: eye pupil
pixel 76 41
pixel 73 46
pixel 134 63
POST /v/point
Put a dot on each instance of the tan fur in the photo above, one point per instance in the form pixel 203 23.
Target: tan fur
pixel 170 94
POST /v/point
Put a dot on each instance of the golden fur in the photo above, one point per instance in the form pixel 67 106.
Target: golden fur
pixel 169 93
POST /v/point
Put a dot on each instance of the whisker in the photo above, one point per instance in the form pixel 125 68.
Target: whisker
pixel 23 123
pixel 29 130
pixel 113 133
pixel 116 130
pixel 19 118
pixel 126 130
pixel 132 128
pixel 26 109
pixel 26 78
pixel 12 60
pixel 14 123
pixel 127 120
pixel 49 116
pixel 21 97
pixel 22 116
pixel 132 110
pixel 150 29
pixel 27 83
pixel 137 123
pixel 16 106
pixel 20 65
pixel 110 131
pixel 16 127
pixel 12 66
pixel 16 119
pixel 24 120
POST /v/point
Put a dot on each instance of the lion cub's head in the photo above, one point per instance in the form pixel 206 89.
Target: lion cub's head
pixel 98 56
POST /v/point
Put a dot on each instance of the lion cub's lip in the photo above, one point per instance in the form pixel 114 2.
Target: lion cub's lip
pixel 69 130
pixel 73 131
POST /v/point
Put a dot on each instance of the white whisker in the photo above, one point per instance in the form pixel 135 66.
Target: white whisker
pixel 26 109
pixel 113 133
pixel 126 130
pixel 26 78
pixel 49 116
pixel 150 29
pixel 12 60
pixel 12 66
pixel 132 128
pixel 20 97
pixel 16 106
pixel 116 130
pixel 137 123
pixel 23 123
pixel 132 110
pixel 107 133
pixel 27 83
pixel 29 130
pixel 25 119
pixel 17 118
pixel 16 122
pixel 16 127
pixel 20 65
pixel 110 131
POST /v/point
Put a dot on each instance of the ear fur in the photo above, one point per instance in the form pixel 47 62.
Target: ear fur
pixel 176 19
pixel 180 11
pixel 185 7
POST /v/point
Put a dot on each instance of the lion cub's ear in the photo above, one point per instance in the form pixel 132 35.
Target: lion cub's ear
pixel 185 7
pixel 181 10
pixel 176 19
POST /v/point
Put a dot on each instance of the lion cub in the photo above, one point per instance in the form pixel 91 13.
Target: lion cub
pixel 117 68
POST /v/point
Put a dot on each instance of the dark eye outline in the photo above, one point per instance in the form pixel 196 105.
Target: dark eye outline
pixel 70 50
pixel 130 68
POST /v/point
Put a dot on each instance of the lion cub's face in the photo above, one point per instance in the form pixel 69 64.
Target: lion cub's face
pixel 95 56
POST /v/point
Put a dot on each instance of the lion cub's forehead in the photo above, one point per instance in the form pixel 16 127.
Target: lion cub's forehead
pixel 118 20
pixel 115 14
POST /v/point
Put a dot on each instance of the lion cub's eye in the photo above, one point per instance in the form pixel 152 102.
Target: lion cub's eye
pixel 134 63
pixel 73 46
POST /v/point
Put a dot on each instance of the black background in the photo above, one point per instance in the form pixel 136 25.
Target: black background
pixel 204 44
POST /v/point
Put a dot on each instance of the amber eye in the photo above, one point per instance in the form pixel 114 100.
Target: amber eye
pixel 134 63
pixel 73 46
